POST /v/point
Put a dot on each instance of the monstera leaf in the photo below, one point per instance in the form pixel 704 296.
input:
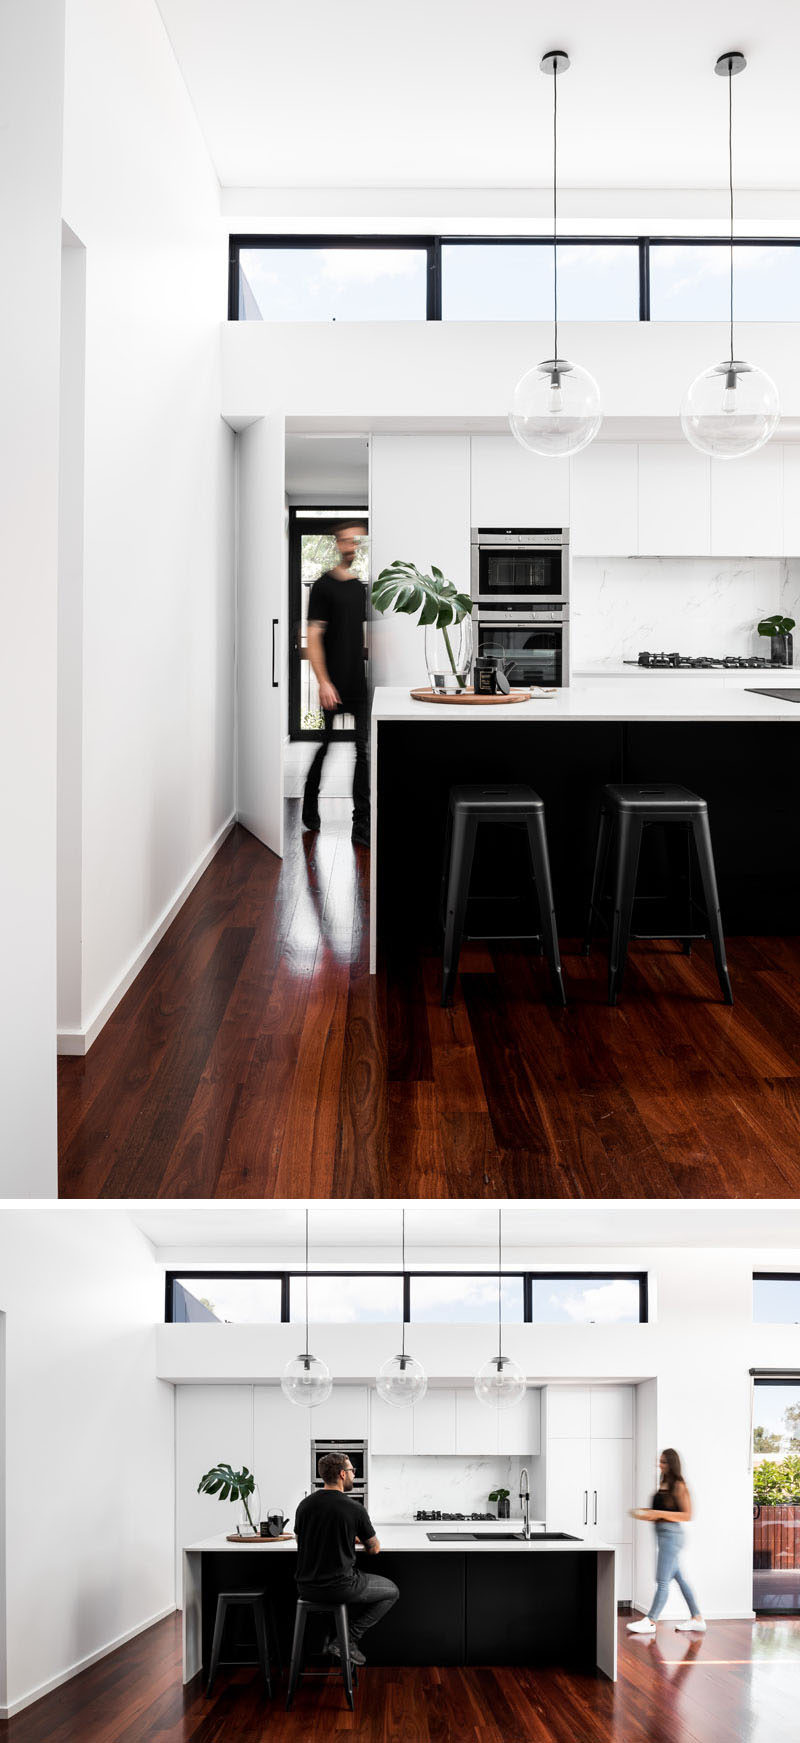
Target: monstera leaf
pixel 229 1485
pixel 402 587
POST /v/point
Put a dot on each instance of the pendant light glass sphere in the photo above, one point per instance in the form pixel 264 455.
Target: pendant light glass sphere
pixel 306 1380
pixel 401 1380
pixel 500 1383
pixel 731 410
pixel 556 408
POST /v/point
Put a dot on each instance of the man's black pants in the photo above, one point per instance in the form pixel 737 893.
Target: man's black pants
pixel 360 713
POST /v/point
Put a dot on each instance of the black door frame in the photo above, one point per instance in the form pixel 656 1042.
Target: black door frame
pixel 302 520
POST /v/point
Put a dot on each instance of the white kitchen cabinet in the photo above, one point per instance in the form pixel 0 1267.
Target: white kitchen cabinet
pixel 568 1412
pixel 747 506
pixel 518 1430
pixel 512 488
pixel 568 1485
pixel 674 500
pixel 604 512
pixel 419 510
pixel 344 1416
pixel 213 1425
pixel 791 499
pixel 611 1478
pixel 391 1426
pixel 435 1422
pixel 476 1426
pixel 611 1411
pixel 282 1434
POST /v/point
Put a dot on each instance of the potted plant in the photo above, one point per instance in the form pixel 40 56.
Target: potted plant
pixel 230 1485
pixel 501 1496
pixel 779 629
pixel 444 613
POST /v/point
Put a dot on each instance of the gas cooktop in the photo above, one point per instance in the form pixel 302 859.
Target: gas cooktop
pixel 702 662
pixel 436 1515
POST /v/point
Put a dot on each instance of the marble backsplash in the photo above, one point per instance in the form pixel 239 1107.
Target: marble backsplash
pixel 399 1486
pixel 696 605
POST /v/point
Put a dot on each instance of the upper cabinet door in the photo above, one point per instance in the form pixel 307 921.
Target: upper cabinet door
pixel 791 500
pixel 604 501
pixel 419 511
pixel 345 1415
pixel 476 1426
pixel 518 1430
pixel 391 1427
pixel 435 1422
pixel 611 1412
pixel 511 488
pixel 674 500
pixel 747 506
pixel 568 1412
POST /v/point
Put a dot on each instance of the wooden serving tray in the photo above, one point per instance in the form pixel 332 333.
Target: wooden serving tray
pixel 285 1537
pixel 468 697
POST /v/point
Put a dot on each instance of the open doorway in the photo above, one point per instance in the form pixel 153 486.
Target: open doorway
pixel 312 550
pixel 776 1494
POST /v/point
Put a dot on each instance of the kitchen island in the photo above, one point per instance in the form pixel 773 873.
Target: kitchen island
pixel 708 732
pixel 468 1600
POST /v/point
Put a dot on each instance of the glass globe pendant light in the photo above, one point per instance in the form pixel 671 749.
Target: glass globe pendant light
pixel 556 405
pixel 732 409
pixel 305 1379
pixel 402 1379
pixel 500 1383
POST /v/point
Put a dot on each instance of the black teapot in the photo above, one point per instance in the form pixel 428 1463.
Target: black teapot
pixel 273 1525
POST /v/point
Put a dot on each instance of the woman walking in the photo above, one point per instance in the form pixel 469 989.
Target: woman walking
pixel 671 1508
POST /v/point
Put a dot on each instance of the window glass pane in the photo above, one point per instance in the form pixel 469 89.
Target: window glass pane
pixel 465 1300
pixel 586 1301
pixel 514 281
pixel 237 1300
pixel 776 1421
pixel 333 284
pixel 347 1300
pixel 692 283
pixel 776 1300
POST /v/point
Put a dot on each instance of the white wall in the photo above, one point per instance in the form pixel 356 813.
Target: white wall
pixel 89 1497
pixel 698 1348
pixel 31 100
pixel 158 595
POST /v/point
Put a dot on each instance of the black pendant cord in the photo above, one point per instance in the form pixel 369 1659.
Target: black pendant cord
pixel 499 1288
pixel 403 1345
pixel 555 209
pixel 730 180
pixel 306 1285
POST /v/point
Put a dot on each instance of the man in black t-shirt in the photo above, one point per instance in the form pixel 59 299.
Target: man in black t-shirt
pixel 337 610
pixel 327 1525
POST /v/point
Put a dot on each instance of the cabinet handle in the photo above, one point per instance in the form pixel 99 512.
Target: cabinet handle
pixel 585 1506
pixel 594 1521
pixel 274 679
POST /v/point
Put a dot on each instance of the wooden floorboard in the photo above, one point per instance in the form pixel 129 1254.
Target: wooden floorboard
pixel 738 1684
pixel 255 1056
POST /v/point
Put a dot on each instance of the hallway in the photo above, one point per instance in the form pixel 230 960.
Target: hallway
pixel 254 1055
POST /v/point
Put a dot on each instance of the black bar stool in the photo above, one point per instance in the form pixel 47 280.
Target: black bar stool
pixel 626 810
pixel 339 1613
pixel 254 1601
pixel 468 807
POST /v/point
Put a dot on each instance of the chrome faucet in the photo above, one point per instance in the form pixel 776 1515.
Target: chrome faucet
pixel 525 1498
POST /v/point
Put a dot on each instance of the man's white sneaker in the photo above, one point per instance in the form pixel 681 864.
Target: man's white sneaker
pixel 643 1627
pixel 696 1626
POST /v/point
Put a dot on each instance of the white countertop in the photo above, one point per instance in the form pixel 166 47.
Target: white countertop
pixel 400 1538
pixel 665 696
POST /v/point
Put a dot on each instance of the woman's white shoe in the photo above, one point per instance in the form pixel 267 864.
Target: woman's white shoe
pixel 643 1627
pixel 696 1626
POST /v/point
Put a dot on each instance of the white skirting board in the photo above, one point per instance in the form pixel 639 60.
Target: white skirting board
pixel 78 1041
pixel 55 1682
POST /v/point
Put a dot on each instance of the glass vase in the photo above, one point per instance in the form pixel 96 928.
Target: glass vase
pixel 448 656
pixel 248 1518
pixel 781 648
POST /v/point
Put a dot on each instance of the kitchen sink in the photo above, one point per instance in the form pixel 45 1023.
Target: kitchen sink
pixel 501 1537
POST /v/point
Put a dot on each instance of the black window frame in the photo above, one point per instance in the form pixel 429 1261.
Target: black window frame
pixel 528 1279
pixel 432 245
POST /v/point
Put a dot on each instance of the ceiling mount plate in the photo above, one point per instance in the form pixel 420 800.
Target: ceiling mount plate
pixel 555 61
pixel 732 63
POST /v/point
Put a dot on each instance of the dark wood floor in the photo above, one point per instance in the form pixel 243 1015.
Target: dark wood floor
pixel 254 1055
pixel 740 1684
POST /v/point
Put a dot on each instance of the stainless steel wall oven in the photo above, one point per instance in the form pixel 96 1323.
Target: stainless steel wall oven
pixel 519 566
pixel 356 1451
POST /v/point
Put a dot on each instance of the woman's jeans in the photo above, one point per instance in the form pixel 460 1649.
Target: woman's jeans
pixel 669 1538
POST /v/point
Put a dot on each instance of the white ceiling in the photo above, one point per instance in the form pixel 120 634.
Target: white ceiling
pixel 449 94
pixel 442 1225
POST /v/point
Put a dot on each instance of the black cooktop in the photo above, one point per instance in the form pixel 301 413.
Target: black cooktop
pixel 435 1515
pixel 701 662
